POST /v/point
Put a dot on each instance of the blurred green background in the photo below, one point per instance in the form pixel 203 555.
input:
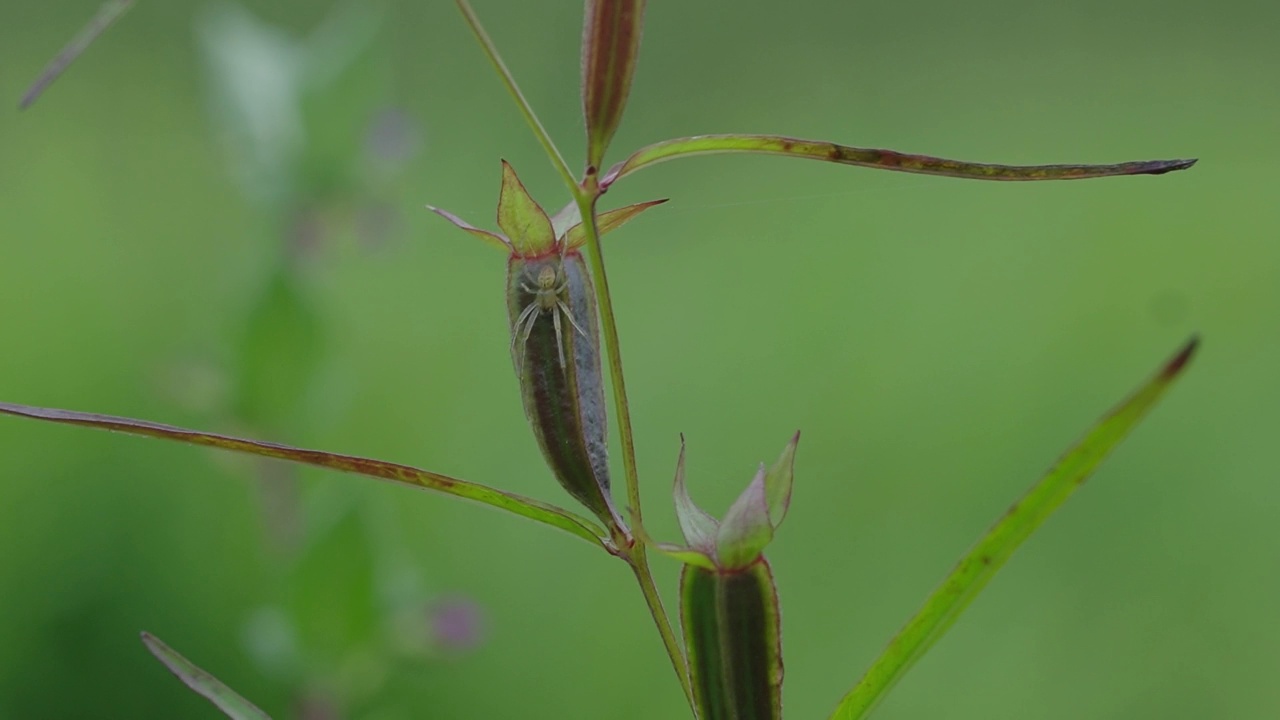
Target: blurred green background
pixel 938 341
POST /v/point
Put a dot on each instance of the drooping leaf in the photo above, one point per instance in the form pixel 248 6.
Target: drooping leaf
pixel 697 525
pixel 610 45
pixel 874 158
pixel 525 223
pixel 414 477
pixel 732 631
pixel 745 530
pixel 778 482
pixel 106 17
pixel 204 684
pixel 993 549
pixel 607 221
pixel 491 238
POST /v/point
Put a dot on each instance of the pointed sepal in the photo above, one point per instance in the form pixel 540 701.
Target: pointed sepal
pixel 697 525
pixel 524 221
pixel 606 222
pixel 746 529
pixel 748 526
pixel 491 238
pixel 778 481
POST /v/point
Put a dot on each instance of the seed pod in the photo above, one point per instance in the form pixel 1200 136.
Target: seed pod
pixel 733 634
pixel 555 347
pixel 728 602
pixel 555 340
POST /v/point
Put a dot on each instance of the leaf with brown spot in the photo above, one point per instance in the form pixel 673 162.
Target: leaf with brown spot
pixel 404 474
pixel 875 158
pixel 994 548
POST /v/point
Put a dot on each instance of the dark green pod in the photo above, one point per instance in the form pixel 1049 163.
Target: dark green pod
pixel 555 346
pixel 732 629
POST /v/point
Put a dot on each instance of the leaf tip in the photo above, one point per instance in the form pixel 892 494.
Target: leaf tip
pixel 1179 362
pixel 1169 166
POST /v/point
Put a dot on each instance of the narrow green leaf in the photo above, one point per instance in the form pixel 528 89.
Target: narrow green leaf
pixel 732 629
pixel 993 549
pixel 106 17
pixel 874 158
pixel 607 221
pixel 524 221
pixel 204 684
pixel 525 507
pixel 610 45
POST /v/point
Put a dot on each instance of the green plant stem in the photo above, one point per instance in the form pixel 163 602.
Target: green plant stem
pixel 639 561
pixel 509 80
pixel 585 196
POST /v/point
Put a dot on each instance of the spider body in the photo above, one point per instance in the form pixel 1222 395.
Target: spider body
pixel 549 288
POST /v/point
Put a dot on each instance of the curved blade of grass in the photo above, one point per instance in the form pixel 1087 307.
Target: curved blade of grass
pixel 993 549
pixel 509 80
pixel 107 15
pixel 525 507
pixel 874 158
pixel 204 684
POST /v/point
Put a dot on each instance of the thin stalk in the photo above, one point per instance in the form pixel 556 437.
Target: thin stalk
pixel 585 196
pixel 509 80
pixel 639 562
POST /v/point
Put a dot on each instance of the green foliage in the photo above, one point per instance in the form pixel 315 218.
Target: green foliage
pixel 731 664
pixel 994 548
pixel 201 682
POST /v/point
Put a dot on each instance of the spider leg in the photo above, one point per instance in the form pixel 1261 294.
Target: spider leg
pixel 568 314
pixel 520 333
pixel 555 317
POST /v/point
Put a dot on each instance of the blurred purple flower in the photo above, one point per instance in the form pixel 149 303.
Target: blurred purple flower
pixel 456 623
pixel 391 140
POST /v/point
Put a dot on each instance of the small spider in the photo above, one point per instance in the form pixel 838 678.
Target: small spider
pixel 548 287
